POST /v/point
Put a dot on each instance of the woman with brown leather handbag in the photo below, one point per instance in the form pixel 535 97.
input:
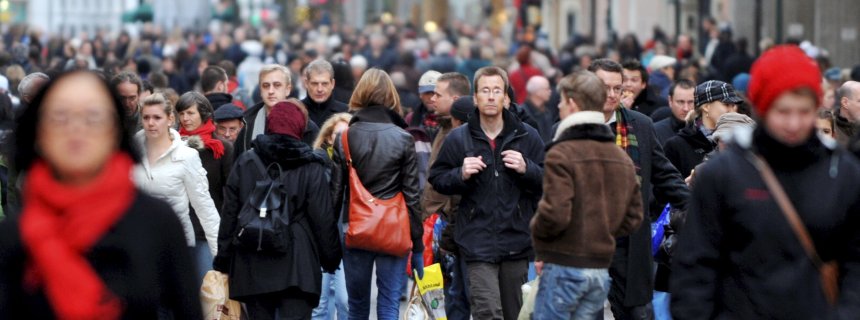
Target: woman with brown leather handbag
pixel 775 214
pixel 376 177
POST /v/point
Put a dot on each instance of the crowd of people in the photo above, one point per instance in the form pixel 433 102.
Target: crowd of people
pixel 133 166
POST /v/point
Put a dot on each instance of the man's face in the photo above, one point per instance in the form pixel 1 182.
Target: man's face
pixel 490 97
pixel 129 93
pixel 633 81
pixel 682 102
pixel 429 100
pixel 319 86
pixel 444 99
pixel 274 88
pixel 851 105
pixel 229 129
pixel 612 81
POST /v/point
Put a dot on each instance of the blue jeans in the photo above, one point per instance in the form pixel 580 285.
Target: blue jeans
pixel 202 259
pixel 456 294
pixel 358 269
pixel 571 293
pixel 332 297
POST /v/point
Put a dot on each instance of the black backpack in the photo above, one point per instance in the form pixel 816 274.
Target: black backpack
pixel 264 219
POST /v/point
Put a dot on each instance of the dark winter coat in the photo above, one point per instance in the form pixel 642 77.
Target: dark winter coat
pixel 668 128
pixel 219 99
pixel 737 256
pixel 383 154
pixel 648 101
pixel 320 112
pixel 245 136
pixel 313 226
pixel 633 262
pixel 497 203
pixel 217 172
pixel 143 259
pixel 688 149
pixel 593 197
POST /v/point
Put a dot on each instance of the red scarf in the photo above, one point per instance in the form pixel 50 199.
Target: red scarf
pixel 205 132
pixel 60 223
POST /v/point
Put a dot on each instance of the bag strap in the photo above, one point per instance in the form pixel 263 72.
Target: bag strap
pixel 786 207
pixel 344 138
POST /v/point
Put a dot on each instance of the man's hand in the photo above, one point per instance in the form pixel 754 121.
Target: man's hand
pixel 472 165
pixel 538 267
pixel 514 160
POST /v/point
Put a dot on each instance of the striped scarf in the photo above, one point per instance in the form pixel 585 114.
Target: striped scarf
pixel 627 140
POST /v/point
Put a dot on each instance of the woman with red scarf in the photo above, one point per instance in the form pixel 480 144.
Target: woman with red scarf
pixel 197 129
pixel 88 244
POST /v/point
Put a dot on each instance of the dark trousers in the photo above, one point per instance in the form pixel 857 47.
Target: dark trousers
pixel 281 305
pixel 617 291
pixel 495 289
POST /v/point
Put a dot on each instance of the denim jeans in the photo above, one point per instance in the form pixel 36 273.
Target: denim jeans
pixel 571 293
pixel 456 294
pixel 333 297
pixel 390 270
pixel 202 259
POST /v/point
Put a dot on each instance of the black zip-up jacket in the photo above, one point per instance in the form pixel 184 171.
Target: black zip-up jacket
pixel 320 112
pixel 245 136
pixel 497 203
pixel 384 157
pixel 688 149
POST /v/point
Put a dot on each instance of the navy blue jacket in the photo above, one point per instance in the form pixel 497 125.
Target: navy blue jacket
pixel 497 203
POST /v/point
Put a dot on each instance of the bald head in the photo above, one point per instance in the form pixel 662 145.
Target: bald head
pixel 538 90
pixel 849 101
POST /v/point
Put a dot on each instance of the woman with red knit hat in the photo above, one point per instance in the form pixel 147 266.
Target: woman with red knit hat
pixel 88 244
pixel 773 211
pixel 276 284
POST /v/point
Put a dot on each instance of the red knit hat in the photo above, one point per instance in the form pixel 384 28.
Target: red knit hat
pixel 781 69
pixel 286 118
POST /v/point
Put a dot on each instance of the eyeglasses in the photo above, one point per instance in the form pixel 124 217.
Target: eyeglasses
pixel 92 120
pixel 488 93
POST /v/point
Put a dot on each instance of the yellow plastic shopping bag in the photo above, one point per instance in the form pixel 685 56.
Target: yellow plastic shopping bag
pixel 215 298
pixel 432 291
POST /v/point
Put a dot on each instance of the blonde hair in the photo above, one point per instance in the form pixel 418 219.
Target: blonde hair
pixel 327 128
pixel 269 68
pixel 375 88
pixel 157 98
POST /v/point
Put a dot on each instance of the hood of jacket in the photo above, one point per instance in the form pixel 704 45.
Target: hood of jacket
pixel 176 140
pixel 513 125
pixel 285 150
pixel 218 99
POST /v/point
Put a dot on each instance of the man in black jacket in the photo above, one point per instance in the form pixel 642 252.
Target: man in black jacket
pixel 631 270
pixel 214 82
pixel 275 86
pixel 681 102
pixel 319 82
pixel 495 163
pixel 639 95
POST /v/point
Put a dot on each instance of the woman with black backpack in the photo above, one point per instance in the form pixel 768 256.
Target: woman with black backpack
pixel 278 226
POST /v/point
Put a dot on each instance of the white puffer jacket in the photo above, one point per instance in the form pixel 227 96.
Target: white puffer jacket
pixel 178 177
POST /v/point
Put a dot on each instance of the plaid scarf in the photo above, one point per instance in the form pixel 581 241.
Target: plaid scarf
pixel 627 140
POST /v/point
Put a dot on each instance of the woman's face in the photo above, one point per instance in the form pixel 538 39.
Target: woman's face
pixel 190 119
pixel 156 123
pixel 338 128
pixel 825 127
pixel 78 127
pixel 715 109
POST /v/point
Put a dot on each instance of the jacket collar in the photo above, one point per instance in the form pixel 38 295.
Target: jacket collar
pixel 284 150
pixel 378 114
pixel 694 136
pixel 582 117
pixel 512 124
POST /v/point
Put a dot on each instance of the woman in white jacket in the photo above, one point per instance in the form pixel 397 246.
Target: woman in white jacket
pixel 172 171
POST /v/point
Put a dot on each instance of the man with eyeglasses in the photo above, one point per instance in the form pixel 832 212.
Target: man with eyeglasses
pixel 495 163
pixel 631 270
pixel 129 86
pixel 228 122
